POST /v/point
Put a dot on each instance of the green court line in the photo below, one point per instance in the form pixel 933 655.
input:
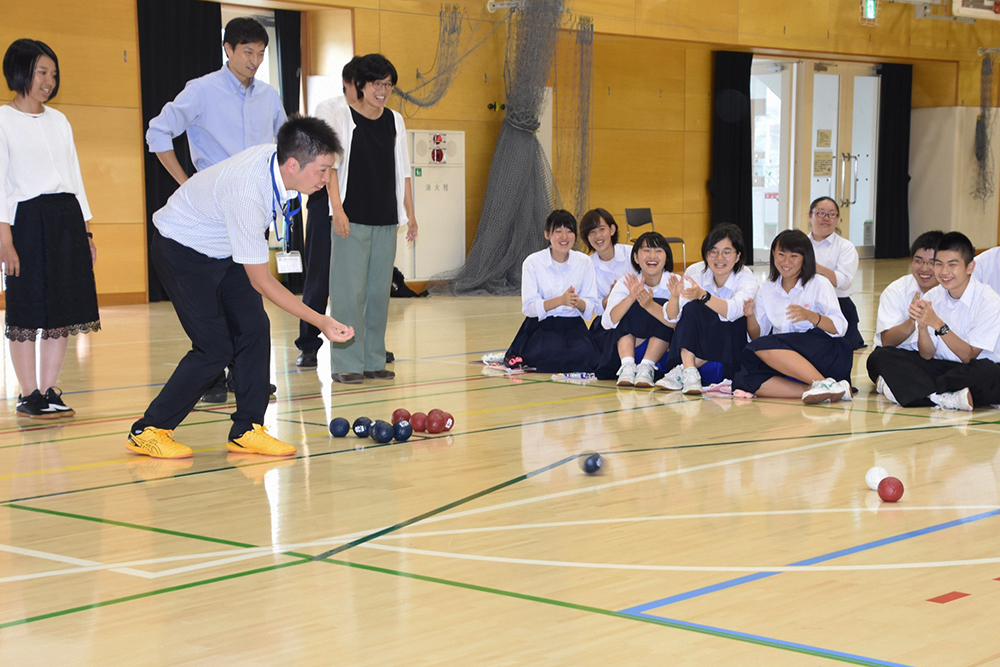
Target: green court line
pixel 604 612
pixel 147 594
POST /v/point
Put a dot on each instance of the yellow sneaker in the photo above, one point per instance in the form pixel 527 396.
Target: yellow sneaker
pixel 259 441
pixel 158 443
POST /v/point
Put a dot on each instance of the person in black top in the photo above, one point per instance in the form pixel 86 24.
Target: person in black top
pixel 370 196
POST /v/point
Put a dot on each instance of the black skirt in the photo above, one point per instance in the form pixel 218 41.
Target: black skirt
pixel 701 332
pixel 831 356
pixel 55 291
pixel 636 322
pixel 555 345
pixel 853 336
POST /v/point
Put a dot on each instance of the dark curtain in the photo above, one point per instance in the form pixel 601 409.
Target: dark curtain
pixel 729 186
pixel 179 40
pixel 288 26
pixel 892 212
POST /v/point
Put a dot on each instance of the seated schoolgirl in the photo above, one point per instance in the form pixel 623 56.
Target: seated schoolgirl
pixel 611 261
pixel 634 311
pixel 711 324
pixel 796 330
pixel 558 295
pixel 837 261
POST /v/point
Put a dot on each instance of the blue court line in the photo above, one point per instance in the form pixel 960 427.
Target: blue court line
pixel 804 648
pixel 698 592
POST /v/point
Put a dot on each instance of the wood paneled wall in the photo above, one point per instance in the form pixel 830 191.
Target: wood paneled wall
pixel 651 110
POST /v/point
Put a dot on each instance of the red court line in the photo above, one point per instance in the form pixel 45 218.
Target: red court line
pixel 948 597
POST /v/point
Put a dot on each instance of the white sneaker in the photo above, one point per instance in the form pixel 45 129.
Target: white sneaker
pixel 493 358
pixel 822 391
pixel 955 400
pixel 626 374
pixel 691 379
pixel 846 386
pixel 644 376
pixel 672 380
pixel 883 388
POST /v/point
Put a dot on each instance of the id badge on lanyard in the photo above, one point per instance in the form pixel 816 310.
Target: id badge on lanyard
pixel 288 261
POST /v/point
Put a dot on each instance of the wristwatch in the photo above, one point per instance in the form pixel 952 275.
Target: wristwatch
pixel 942 331
pixel 704 298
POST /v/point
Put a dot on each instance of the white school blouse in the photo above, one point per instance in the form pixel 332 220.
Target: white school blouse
pixel 817 295
pixel 37 157
pixel 611 270
pixel 840 256
pixel 740 286
pixel 987 268
pixel 620 291
pixel 975 318
pixel 894 309
pixel 543 278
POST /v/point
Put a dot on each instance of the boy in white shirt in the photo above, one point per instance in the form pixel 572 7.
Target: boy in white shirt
pixel 953 364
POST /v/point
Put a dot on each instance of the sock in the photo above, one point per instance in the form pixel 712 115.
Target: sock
pixel 647 362
pixel 628 360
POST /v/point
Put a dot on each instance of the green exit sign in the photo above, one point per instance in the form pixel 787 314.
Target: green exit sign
pixel 417 171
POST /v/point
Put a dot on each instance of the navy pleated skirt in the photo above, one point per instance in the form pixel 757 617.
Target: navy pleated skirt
pixel 853 336
pixel 555 345
pixel 638 322
pixel 831 356
pixel 701 332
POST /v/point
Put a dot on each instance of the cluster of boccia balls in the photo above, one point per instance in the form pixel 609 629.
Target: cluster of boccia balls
pixel 402 427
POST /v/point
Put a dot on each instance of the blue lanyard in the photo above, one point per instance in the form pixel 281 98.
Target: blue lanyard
pixel 277 204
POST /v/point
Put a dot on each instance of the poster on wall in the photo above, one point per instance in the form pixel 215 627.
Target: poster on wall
pixel 823 163
pixel 824 138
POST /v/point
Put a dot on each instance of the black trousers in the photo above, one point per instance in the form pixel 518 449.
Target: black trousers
pixel 224 317
pixel 912 378
pixel 316 257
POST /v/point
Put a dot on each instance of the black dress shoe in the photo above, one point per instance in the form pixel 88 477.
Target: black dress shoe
pixel 348 378
pixel 379 375
pixel 307 359
pixel 389 357
pixel 217 394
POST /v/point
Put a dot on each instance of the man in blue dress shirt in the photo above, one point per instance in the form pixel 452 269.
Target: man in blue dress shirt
pixel 223 113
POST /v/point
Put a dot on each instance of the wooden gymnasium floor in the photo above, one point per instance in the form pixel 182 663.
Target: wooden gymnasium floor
pixel 720 533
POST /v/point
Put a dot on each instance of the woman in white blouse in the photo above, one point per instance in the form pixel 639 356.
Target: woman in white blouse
pixel 46 246
pixel 796 331
pixel 558 294
pixel 599 232
pixel 708 317
pixel 837 261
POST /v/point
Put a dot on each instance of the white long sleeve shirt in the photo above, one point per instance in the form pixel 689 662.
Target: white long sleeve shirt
pixel 620 292
pixel 840 256
pixel 817 295
pixel 543 278
pixel 37 157
pixel 975 318
pixel 987 268
pixel 610 271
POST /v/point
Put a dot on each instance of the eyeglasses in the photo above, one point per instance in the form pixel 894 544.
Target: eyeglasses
pixel 824 214
pixel 922 262
pixel 381 85
pixel 726 252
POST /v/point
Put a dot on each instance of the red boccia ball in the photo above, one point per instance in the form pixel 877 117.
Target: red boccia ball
pixel 449 421
pixel 400 414
pixel 436 411
pixel 435 423
pixel 418 420
pixel 890 489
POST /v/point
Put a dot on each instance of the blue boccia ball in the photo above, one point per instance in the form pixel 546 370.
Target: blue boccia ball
pixel 339 427
pixel 402 430
pixel 361 426
pixel 591 462
pixel 381 431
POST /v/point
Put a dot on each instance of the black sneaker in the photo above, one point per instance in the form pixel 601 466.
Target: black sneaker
pixel 35 407
pixel 53 396
pixel 216 394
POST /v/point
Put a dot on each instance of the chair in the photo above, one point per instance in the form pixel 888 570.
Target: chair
pixel 637 217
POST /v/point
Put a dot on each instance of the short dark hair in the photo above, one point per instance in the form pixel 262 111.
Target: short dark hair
pixel 19 64
pixel 244 30
pixel 591 220
pixel 726 230
pixel 560 218
pixel 305 138
pixel 794 240
pixel 350 69
pixel 957 242
pixel 374 67
pixel 812 206
pixel 926 241
pixel 652 240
